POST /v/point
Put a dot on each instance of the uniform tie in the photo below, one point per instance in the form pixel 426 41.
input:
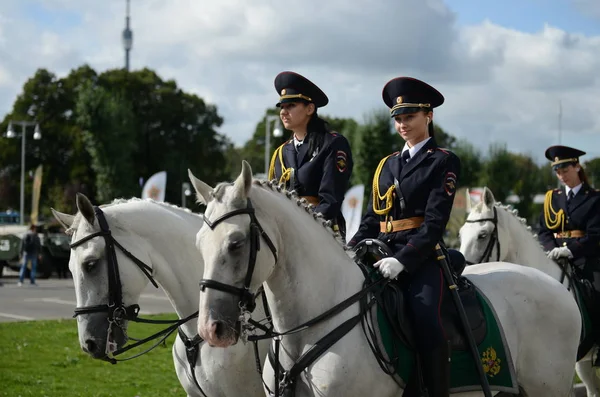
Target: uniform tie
pixel 405 157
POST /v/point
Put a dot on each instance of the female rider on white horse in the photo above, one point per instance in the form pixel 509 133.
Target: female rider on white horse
pixel 570 222
pixel 413 193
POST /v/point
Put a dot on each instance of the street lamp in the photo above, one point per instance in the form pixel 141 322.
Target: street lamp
pixel 185 192
pixel 277 132
pixel 37 134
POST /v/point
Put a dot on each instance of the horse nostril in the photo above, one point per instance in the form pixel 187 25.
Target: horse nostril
pixel 90 346
pixel 219 328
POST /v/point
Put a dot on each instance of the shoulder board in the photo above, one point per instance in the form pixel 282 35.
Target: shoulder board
pixel 334 133
pixel 445 151
pixel 394 154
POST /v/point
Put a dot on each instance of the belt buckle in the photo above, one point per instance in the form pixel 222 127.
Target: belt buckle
pixel 388 226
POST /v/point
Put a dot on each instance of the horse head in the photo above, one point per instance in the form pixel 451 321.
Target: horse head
pixel 482 234
pixel 238 255
pixel 107 284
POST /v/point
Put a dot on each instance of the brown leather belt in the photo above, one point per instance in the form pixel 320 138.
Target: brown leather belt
pixel 314 200
pixel 570 234
pixel 401 224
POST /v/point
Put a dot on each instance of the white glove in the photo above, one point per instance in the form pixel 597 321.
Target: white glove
pixel 560 252
pixel 389 267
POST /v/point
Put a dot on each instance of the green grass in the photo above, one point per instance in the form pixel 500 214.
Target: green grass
pixel 43 358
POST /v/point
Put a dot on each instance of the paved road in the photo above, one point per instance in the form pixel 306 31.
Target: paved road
pixel 55 298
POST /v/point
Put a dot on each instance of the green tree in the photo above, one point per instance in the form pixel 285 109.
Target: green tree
pixel 51 102
pixel 499 172
pixel 173 130
pixel 527 184
pixel 107 120
pixel 592 170
pixel 442 138
pixel 470 163
pixel 375 139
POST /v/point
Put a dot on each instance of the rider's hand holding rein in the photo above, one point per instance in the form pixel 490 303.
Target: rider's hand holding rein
pixel 389 267
pixel 560 252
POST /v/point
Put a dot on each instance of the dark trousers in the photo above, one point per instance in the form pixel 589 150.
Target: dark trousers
pixel 424 297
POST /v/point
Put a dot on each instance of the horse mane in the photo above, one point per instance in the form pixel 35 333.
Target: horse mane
pixel 292 195
pixel 118 201
pixel 512 211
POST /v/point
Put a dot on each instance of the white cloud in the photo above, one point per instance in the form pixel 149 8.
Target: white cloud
pixel 501 85
pixel 588 7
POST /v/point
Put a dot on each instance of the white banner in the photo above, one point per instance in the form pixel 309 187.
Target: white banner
pixel 155 186
pixel 352 209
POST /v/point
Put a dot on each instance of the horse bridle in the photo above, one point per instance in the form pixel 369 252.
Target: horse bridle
pixel 247 298
pixel 116 310
pixel 494 240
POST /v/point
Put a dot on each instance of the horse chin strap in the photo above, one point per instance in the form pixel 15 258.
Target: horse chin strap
pixel 247 298
pixel 494 240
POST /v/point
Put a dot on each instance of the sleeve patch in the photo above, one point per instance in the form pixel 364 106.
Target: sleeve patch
pixel 450 183
pixel 341 160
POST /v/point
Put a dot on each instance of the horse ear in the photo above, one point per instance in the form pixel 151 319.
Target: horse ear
pixel 243 183
pixel 65 220
pixel 488 198
pixel 469 201
pixel 85 207
pixel 203 191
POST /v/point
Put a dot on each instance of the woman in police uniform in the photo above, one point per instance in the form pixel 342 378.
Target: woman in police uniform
pixel 570 220
pixel 315 162
pixel 413 193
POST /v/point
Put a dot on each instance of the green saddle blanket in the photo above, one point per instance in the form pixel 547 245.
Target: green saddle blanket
pixel 493 350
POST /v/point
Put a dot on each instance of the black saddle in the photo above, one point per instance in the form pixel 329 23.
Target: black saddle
pixel 392 300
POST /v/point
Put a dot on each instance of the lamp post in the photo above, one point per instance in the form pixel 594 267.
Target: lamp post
pixel 277 132
pixel 185 192
pixel 37 134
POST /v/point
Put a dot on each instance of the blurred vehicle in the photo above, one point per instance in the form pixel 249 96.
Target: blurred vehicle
pixel 55 249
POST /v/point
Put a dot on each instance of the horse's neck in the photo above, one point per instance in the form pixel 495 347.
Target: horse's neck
pixel 524 248
pixel 174 259
pixel 313 273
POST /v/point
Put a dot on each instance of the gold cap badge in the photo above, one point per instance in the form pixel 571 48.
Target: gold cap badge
pixel 283 91
pixel 399 99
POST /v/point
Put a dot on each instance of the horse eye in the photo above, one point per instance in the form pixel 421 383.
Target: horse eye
pixel 482 235
pixel 89 265
pixel 236 245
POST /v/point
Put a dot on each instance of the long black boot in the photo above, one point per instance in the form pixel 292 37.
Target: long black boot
pixel 436 371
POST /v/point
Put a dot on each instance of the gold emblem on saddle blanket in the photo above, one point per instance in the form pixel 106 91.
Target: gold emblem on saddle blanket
pixel 491 362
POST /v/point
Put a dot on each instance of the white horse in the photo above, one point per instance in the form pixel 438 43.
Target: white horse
pixel 307 271
pixel 161 236
pixel 495 232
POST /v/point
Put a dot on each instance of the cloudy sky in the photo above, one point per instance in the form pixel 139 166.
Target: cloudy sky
pixel 503 65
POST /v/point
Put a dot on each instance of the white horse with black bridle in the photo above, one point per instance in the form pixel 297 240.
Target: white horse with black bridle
pixel 255 233
pixel 117 249
pixel 493 232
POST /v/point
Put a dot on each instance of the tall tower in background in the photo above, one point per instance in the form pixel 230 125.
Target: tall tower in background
pixel 127 38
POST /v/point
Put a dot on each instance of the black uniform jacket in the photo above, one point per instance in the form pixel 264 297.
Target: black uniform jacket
pixel 582 214
pixel 324 174
pixel 428 184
